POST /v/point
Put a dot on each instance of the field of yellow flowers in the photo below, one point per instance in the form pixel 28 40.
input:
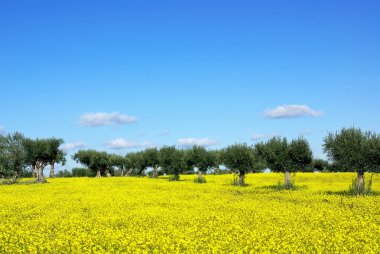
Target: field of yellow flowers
pixel 143 215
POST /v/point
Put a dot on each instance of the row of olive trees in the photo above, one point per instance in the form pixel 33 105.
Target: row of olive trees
pixel 349 150
pixel 168 159
pixel 277 154
pixel 18 153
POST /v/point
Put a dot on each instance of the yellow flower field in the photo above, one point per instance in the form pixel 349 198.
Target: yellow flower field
pixel 143 215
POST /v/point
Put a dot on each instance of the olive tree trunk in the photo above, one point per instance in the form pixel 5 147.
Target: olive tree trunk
pixel 154 175
pixel 287 178
pixel 242 179
pixel 360 180
pixel 129 172
pixel 14 177
pixel 200 176
pixel 40 175
pixel 108 173
pixel 51 175
pixel 98 173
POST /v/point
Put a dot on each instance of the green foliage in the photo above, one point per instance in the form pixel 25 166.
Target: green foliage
pixel 151 157
pixel 171 160
pixel 41 152
pixel 118 161
pixel 235 180
pixel 12 155
pixel 347 148
pixel 137 163
pixel 98 162
pixel 174 178
pixel 281 156
pixel 199 157
pixel 360 189
pixel 276 154
pixel 320 165
pixel 354 150
pixel 286 185
pixel 300 155
pixel 82 172
pixel 56 155
pixel 63 173
pixel 238 157
pixel 200 180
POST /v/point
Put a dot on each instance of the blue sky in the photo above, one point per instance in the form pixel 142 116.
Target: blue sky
pixel 180 72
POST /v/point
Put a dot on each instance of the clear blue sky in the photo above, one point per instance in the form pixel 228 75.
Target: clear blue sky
pixel 206 70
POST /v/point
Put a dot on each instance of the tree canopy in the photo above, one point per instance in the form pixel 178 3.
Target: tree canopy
pixel 98 162
pixel 239 157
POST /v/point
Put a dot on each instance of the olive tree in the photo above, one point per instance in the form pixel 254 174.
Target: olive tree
pixel 151 158
pixel 56 154
pixel 12 155
pixel 98 162
pixel 118 161
pixel 300 155
pixel 171 160
pixel 320 165
pixel 275 152
pixel 239 157
pixel 137 162
pixel 202 159
pixel 354 151
pixel 38 152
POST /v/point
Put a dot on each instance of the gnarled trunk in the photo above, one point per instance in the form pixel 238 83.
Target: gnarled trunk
pixel 129 172
pixel 360 180
pixel 154 175
pixel 40 175
pixel 14 177
pixel 287 178
pixel 241 179
pixel 107 173
pixel 51 175
pixel 200 176
pixel 98 174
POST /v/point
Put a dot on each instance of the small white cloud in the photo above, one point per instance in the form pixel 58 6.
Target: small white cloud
pixel 257 137
pixel 291 111
pixel 100 119
pixel 186 142
pixel 2 131
pixel 121 143
pixel 71 146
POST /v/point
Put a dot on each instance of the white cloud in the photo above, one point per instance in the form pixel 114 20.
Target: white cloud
pixel 100 119
pixel 196 141
pixel 2 131
pixel 291 111
pixel 121 143
pixel 71 146
pixel 257 137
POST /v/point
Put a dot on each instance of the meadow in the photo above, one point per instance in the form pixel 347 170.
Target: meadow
pixel 144 215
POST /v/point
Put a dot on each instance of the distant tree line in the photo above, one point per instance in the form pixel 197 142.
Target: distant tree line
pixel 349 150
